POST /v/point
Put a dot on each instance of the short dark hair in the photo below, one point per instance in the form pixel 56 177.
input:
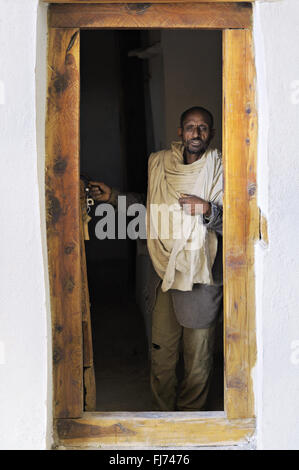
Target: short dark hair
pixel 199 109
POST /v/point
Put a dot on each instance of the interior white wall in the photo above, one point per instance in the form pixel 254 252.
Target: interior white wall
pixel 276 33
pixel 25 391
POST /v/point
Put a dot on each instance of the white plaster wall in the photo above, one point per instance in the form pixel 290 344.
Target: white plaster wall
pixel 277 266
pixel 25 391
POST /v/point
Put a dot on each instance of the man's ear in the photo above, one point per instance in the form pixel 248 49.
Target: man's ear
pixel 212 133
pixel 180 132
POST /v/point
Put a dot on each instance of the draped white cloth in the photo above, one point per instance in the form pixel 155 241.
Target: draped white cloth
pixel 181 247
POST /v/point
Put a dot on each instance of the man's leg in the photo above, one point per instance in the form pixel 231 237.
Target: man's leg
pixel 166 335
pixel 198 348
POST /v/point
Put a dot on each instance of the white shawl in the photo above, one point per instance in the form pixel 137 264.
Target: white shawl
pixel 182 249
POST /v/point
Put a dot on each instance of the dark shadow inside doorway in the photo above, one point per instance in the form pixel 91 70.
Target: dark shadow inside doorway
pixel 134 85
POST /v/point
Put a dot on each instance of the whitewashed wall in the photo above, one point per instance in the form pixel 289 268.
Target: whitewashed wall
pixel 25 388
pixel 277 267
pixel 25 365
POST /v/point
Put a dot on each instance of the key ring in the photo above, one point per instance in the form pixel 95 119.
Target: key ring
pixel 89 200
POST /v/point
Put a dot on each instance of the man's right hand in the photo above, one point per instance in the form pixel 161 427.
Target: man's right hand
pixel 100 192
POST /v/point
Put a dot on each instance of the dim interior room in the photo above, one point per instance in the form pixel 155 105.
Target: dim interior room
pixel 134 86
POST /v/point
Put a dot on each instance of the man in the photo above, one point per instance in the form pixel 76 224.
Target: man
pixel 184 291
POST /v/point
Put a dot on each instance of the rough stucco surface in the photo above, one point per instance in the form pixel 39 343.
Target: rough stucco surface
pixel 24 370
pixel 277 267
pixel 25 393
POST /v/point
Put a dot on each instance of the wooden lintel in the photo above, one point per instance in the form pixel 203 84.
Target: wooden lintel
pixel 142 2
pixel 150 16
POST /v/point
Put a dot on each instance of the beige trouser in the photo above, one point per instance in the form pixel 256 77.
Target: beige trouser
pixel 197 346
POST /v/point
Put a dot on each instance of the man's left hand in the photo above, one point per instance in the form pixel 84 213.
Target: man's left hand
pixel 194 205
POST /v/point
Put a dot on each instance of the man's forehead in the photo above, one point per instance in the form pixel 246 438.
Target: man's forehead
pixel 197 116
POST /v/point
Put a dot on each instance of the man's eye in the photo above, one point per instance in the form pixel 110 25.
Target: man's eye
pixel 191 128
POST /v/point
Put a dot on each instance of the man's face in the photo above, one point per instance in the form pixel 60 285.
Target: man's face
pixel 196 133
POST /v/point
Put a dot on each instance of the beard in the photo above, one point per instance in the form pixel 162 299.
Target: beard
pixel 198 149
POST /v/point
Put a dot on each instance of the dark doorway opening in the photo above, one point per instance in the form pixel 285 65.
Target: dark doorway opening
pixel 134 85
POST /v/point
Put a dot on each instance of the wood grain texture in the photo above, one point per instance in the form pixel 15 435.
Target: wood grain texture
pixel 264 229
pixel 63 215
pixel 85 300
pixel 88 371
pixel 147 16
pixel 241 229
pixel 241 220
pixel 117 430
pixel 89 389
pixel 142 3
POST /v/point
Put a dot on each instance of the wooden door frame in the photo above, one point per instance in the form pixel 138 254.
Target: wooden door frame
pixel 73 426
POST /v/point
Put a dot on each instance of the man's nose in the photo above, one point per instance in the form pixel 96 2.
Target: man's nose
pixel 196 131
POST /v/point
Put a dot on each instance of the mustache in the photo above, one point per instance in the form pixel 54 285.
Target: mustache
pixel 201 149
